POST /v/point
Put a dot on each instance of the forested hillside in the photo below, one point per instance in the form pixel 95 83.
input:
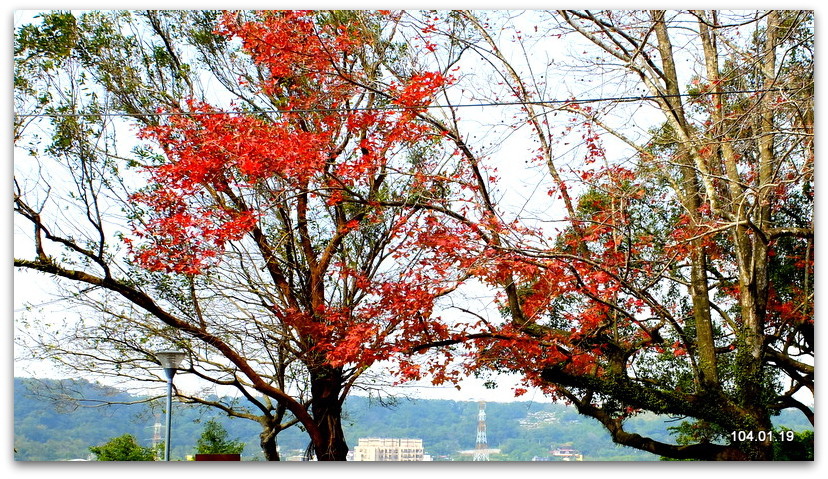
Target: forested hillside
pixel 50 430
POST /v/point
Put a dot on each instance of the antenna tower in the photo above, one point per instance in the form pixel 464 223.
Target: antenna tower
pixel 481 448
pixel 156 433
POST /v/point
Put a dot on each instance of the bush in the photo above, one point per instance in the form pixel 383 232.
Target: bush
pixel 123 448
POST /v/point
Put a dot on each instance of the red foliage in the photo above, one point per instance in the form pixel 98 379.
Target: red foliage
pixel 199 199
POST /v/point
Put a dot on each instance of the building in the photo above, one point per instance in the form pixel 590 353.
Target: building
pixel 567 454
pixel 389 449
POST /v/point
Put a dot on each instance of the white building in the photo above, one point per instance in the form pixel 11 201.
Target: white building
pixel 389 449
pixel 567 454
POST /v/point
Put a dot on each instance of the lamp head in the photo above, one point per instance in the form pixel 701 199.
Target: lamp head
pixel 170 361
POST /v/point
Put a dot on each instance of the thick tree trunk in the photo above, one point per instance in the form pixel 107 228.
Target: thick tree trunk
pixel 326 409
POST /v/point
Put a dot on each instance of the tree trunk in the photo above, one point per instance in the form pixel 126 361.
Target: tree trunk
pixel 326 409
pixel 691 195
pixel 267 440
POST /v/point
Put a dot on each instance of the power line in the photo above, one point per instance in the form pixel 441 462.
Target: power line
pixel 572 101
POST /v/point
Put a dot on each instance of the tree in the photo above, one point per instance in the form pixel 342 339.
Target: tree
pixel 343 277
pixel 213 440
pixel 266 268
pixel 123 448
pixel 663 289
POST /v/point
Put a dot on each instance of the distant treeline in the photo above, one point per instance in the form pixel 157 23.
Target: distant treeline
pixel 53 429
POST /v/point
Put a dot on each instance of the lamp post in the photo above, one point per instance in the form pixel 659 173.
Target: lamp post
pixel 170 360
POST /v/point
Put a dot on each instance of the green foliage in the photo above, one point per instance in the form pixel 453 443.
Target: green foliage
pixel 690 432
pixel 214 440
pixel 54 38
pixel 800 449
pixel 123 448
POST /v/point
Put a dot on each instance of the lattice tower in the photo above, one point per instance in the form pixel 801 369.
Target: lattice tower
pixel 156 433
pixel 481 448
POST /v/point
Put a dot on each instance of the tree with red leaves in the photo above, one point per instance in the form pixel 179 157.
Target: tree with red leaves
pixel 306 187
pixel 277 220
pixel 667 285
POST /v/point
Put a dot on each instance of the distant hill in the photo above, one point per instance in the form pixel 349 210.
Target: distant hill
pixel 48 430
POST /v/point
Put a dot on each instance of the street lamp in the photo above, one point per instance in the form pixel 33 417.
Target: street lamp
pixel 170 360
